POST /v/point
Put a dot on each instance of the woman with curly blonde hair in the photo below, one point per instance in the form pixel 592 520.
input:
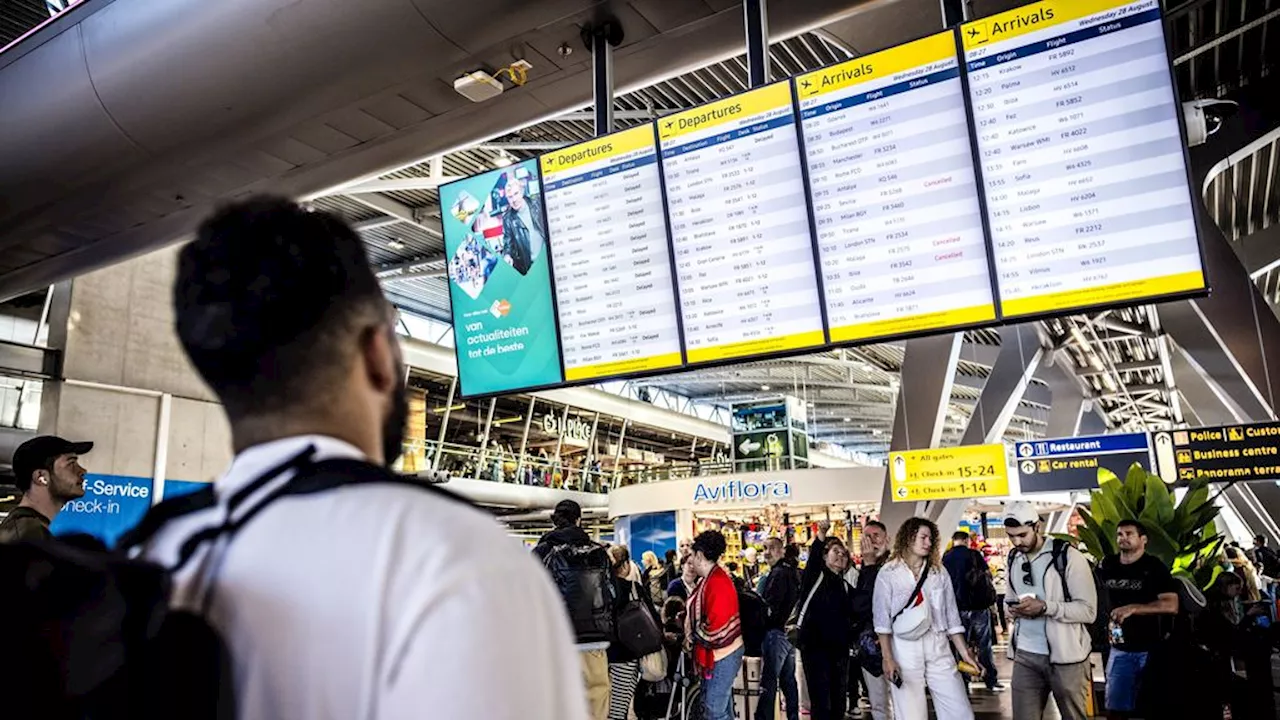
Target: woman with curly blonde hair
pixel 916 616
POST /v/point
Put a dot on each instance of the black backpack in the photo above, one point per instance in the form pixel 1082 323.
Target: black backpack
pixel 979 590
pixel 584 576
pixel 1098 636
pixel 753 613
pixel 92 634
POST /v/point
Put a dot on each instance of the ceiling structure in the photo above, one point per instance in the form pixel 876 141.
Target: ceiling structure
pixel 1118 357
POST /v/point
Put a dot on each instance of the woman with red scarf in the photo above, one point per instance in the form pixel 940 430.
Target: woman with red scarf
pixel 714 626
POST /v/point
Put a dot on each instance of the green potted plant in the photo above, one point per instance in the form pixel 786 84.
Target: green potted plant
pixel 1182 535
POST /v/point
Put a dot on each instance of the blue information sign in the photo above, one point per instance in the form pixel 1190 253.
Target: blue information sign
pixel 1072 463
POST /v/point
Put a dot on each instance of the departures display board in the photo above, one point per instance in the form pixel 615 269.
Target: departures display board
pixel 612 256
pixel 740 227
pixel 895 196
pixel 1021 165
pixel 1082 155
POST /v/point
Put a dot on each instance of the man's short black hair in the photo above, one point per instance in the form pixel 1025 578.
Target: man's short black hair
pixel 876 524
pixel 269 301
pixel 1260 539
pixel 1136 525
pixel 711 544
pixel 960 536
pixel 566 514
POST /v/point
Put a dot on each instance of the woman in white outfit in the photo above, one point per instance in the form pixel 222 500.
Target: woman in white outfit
pixel 915 614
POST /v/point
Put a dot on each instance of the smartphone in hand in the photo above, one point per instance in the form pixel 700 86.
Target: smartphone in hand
pixel 896 679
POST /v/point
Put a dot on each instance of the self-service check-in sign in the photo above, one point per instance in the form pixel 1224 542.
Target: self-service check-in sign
pixel 1219 454
pixel 1073 463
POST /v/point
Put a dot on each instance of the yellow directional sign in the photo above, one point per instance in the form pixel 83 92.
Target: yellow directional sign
pixel 945 473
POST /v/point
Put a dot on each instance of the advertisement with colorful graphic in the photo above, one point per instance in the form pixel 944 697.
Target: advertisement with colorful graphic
pixel 495 236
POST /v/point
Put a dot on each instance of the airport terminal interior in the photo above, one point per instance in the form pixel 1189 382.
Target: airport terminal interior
pixel 769 268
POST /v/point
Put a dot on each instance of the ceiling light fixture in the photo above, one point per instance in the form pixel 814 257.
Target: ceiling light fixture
pixel 502 160
pixel 395 244
pixel 765 388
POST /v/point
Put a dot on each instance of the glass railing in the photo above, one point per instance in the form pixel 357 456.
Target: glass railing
pixel 495 465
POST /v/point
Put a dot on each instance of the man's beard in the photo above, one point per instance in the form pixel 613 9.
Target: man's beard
pixel 394 424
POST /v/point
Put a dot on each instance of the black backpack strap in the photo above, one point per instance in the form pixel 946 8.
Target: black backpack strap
pixel 167 510
pixel 310 478
pixel 1059 555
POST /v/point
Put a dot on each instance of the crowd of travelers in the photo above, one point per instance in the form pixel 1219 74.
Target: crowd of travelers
pixel 309 581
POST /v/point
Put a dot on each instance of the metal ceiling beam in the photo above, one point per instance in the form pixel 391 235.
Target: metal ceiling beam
pixel 928 370
pixel 397 209
pixel 376 223
pixel 19 360
pixel 397 185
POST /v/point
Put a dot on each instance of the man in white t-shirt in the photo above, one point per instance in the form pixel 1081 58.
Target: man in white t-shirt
pixel 370 600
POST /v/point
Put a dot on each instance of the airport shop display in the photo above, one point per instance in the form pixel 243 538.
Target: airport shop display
pixel 1022 165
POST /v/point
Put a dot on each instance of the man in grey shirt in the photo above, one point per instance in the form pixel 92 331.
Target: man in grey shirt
pixel 1051 642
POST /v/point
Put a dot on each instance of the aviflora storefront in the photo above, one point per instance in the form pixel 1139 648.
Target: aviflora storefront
pixel 747 507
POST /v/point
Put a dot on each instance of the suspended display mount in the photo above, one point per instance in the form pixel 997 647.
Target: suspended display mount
pixel 1027 164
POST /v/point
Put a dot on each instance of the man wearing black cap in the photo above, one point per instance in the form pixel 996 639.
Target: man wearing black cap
pixel 47 472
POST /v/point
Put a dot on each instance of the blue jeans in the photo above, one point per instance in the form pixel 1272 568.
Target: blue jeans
pixel 717 690
pixel 978 631
pixel 779 669
pixel 1124 679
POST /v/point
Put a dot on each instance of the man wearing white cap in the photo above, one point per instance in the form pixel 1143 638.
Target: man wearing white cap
pixel 1053 600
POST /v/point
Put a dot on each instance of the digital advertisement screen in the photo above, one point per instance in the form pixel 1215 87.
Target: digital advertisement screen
pixel 895 196
pixel 495 238
pixel 740 227
pixel 1082 156
pixel 612 257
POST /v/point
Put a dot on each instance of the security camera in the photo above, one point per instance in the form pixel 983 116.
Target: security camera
pixel 1204 118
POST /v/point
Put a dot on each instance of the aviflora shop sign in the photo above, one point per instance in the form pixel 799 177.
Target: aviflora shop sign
pixel 741 491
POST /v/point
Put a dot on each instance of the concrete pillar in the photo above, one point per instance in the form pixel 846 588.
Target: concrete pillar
pixel 127 387
pixel 928 371
pixel 1020 355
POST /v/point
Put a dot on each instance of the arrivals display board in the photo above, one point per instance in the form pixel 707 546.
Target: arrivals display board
pixel 740 227
pixel 615 297
pixel 895 196
pixel 1082 156
pixel 1219 454
pixel 966 471
pixel 495 239
pixel 1063 464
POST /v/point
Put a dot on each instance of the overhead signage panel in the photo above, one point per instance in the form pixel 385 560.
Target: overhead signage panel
pixel 612 257
pixel 895 197
pixel 967 471
pixel 740 227
pixel 495 239
pixel 1219 454
pixel 1072 463
pixel 1082 156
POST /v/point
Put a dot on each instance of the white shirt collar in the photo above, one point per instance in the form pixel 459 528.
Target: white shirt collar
pixel 253 462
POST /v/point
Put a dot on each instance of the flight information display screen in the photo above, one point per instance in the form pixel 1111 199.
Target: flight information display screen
pixel 495 238
pixel 611 255
pixel 895 195
pixel 1082 156
pixel 740 227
